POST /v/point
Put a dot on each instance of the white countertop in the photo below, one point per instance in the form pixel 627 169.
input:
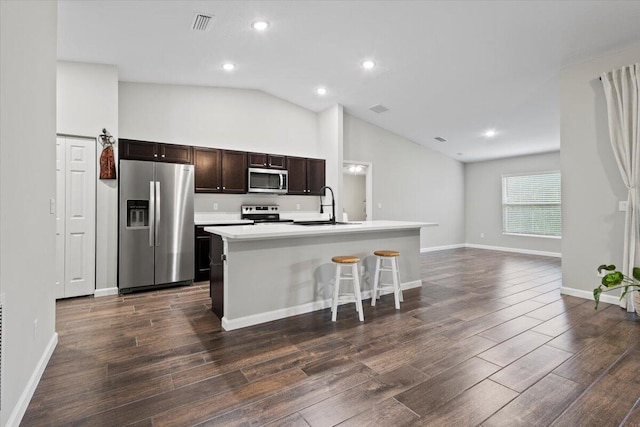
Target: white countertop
pixel 274 231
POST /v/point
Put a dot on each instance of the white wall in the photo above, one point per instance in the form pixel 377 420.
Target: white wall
pixel 27 183
pixel 411 182
pixel 237 119
pixel 483 201
pixel 88 102
pixel 593 228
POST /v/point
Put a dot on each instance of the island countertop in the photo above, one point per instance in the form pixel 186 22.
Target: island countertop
pixel 277 231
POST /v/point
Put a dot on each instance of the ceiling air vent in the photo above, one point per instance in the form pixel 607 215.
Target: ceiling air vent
pixel 201 22
pixel 379 108
pixel 440 139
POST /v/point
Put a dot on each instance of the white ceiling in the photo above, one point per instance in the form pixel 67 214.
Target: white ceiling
pixel 448 69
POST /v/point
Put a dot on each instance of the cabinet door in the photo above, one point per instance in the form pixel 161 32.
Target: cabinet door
pixel 216 277
pixel 234 171
pixel 315 176
pixel 207 170
pixel 276 161
pixel 297 168
pixel 257 160
pixel 175 153
pixel 202 257
pixel 137 150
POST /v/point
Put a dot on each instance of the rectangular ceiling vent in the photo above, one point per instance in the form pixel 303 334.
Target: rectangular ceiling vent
pixel 440 139
pixel 379 108
pixel 202 22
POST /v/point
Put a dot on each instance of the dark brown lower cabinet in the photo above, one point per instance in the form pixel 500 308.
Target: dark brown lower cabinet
pixel 202 254
pixel 216 277
pixel 209 266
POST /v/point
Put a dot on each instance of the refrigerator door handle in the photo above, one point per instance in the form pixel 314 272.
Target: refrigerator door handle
pixel 157 212
pixel 152 210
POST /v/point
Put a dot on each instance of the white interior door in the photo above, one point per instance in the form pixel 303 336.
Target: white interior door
pixel 79 213
pixel 60 214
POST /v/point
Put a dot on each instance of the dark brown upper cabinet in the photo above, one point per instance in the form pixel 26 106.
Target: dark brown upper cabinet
pixel 130 149
pixel 271 161
pixel 234 171
pixel 306 176
pixel 220 171
pixel 315 175
pixel 207 165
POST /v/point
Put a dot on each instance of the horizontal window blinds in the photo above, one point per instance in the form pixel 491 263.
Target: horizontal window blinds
pixel 531 204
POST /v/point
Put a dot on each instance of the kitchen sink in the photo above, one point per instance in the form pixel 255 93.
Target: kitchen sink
pixel 323 222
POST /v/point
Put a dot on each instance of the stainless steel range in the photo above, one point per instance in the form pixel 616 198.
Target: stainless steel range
pixel 266 214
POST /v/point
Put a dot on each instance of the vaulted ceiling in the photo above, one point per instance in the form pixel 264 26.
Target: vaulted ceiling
pixel 449 69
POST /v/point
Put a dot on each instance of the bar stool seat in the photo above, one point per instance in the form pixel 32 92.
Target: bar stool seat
pixel 349 262
pixel 387 253
pixel 387 260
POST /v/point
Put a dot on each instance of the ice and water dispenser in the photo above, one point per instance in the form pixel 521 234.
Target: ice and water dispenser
pixel 137 213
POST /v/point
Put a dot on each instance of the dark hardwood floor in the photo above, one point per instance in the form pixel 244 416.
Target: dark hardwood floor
pixel 488 340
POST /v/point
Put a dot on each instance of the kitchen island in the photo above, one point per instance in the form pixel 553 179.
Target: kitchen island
pixel 269 272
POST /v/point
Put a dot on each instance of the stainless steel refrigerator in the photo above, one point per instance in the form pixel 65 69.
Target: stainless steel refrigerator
pixel 156 231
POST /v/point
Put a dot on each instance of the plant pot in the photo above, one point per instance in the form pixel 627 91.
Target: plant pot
pixel 636 301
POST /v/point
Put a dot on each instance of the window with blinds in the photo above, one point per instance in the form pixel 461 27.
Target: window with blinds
pixel 531 204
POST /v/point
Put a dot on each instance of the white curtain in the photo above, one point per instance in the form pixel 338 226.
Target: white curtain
pixel 621 88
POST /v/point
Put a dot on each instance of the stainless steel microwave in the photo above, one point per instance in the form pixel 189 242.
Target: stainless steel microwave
pixel 268 180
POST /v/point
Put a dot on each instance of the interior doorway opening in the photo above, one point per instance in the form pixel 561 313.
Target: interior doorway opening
pixel 357 190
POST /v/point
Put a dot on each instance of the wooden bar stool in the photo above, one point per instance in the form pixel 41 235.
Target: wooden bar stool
pixel 391 257
pixel 349 262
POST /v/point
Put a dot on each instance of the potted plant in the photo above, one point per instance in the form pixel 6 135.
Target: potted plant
pixel 616 280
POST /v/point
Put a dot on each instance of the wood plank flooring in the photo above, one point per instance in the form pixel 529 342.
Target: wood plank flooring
pixel 487 340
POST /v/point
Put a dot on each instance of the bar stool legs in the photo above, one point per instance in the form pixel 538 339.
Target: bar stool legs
pixel 387 261
pixel 347 262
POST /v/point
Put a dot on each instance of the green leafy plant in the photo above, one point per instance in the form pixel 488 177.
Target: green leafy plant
pixel 616 280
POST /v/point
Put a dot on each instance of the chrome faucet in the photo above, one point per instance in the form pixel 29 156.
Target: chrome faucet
pixel 323 190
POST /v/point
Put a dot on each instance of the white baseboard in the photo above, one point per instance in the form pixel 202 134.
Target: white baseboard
pixel 105 291
pixel 27 393
pixel 515 250
pixel 255 319
pixel 611 299
pixel 441 248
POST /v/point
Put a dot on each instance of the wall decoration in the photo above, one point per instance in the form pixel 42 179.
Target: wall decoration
pixel 107 159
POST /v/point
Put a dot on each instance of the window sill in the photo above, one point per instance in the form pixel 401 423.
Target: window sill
pixel 532 235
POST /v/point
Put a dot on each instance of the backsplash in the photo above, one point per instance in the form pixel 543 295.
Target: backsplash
pixel 230 203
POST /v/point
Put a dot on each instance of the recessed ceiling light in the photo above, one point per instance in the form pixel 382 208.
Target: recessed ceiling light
pixel 321 91
pixel 489 133
pixel 228 66
pixel 260 25
pixel 368 64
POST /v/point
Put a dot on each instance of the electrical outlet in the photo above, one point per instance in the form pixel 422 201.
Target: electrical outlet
pixel 622 206
pixel 298 206
pixel 52 206
pixel 482 235
pixel 379 205
pixel 35 329
pixel 215 206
